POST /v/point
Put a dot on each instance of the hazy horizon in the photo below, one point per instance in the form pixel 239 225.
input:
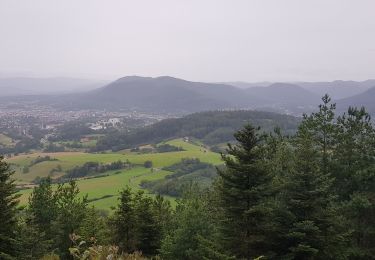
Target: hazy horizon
pixel 209 41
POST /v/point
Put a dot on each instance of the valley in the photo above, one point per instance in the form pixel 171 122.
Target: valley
pixel 103 189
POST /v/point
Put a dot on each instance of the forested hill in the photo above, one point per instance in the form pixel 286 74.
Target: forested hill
pixel 161 94
pixel 365 99
pixel 212 128
pixel 177 96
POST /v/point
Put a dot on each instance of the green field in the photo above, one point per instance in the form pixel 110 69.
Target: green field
pixel 110 185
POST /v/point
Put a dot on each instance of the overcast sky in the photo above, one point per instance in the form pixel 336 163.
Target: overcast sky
pixel 201 40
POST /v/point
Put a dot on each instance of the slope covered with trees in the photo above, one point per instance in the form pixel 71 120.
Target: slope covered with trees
pixel 210 127
pixel 177 96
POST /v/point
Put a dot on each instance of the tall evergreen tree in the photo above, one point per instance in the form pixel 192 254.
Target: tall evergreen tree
pixel 314 231
pixel 94 227
pixel 243 188
pixel 71 212
pixel 354 161
pixel 31 241
pixel 43 207
pixel 162 212
pixel 60 216
pixel 8 211
pixel 146 230
pixel 321 127
pixel 123 222
pixel 192 229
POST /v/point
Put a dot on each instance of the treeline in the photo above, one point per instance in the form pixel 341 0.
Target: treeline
pixel 40 159
pixel 25 144
pixel 211 127
pixel 90 168
pixel 73 130
pixel 166 148
pixel 162 148
pixel 309 196
pixel 186 172
pixel 53 148
pixel 37 160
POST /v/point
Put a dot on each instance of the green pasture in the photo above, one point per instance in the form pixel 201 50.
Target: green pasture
pixel 68 160
pixel 96 188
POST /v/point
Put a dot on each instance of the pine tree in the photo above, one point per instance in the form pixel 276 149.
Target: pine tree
pixel 322 130
pixel 8 211
pixel 43 207
pixel 354 161
pixel 314 231
pixel 162 212
pixel 123 222
pixel 191 228
pixel 31 241
pixel 243 189
pixel 57 213
pixel 94 227
pixel 71 211
pixel 146 230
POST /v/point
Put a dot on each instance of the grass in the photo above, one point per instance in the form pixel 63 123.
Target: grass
pixel 110 185
pixel 68 160
pixel 96 188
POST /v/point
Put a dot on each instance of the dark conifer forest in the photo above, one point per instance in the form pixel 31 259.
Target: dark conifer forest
pixel 308 195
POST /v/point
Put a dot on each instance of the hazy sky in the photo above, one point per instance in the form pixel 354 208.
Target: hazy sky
pixel 201 40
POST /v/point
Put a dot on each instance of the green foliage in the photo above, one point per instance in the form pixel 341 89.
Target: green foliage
pixel 40 159
pixel 53 148
pixel 83 250
pixel 94 226
pixel 165 148
pixel 8 211
pixel 211 127
pixel 146 228
pixel 43 206
pixel 25 169
pixel 184 173
pixel 147 164
pixel 192 223
pixel 308 196
pixel 313 228
pixel 31 240
pixel 354 170
pixel 243 188
pixel 140 222
pixel 123 222
pixel 57 213
pixel 72 130
pixel 91 168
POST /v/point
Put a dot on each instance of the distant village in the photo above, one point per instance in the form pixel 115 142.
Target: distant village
pixel 22 118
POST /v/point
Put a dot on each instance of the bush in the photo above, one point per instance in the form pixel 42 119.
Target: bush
pixel 148 164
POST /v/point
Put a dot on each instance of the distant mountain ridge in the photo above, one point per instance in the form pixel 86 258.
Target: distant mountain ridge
pixel 338 89
pixel 168 94
pixel 164 94
pixel 177 96
pixel 285 93
pixel 366 99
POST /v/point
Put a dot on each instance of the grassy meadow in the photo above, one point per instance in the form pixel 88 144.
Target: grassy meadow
pixel 103 191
